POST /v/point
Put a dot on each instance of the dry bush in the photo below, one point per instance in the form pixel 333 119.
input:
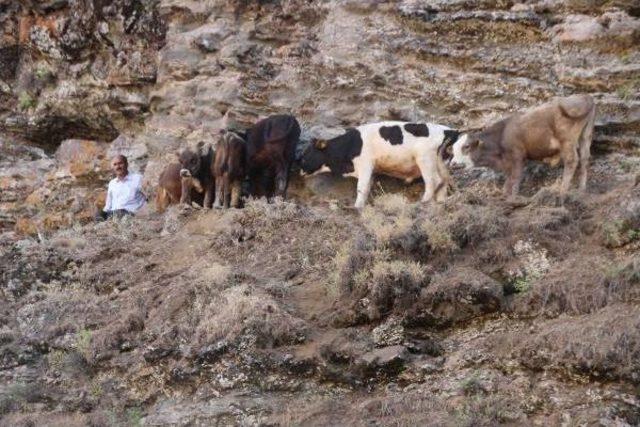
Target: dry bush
pixel 422 230
pixel 392 221
pixel 456 296
pixel 391 284
pixel 470 225
pixel 604 345
pixel 45 420
pixel 372 283
pixel 277 212
pixel 580 285
pixel 351 258
pixel 623 225
pixel 18 395
pixel 248 317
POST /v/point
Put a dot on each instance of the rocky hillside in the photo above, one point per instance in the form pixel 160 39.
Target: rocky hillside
pixel 475 312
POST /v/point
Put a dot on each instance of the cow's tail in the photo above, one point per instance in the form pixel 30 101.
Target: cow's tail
pixel 162 199
pixel 586 136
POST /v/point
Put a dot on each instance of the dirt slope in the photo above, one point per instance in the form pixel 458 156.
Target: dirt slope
pixel 473 312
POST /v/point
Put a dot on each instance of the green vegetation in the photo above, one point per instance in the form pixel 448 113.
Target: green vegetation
pixel 26 101
pixel 83 343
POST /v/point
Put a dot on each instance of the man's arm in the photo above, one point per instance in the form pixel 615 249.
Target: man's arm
pixel 139 189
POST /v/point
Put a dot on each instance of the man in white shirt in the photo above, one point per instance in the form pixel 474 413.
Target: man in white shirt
pixel 124 195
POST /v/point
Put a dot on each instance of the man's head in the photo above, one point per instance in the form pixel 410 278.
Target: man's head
pixel 120 166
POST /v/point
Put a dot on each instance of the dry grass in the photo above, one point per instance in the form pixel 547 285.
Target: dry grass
pixel 391 284
pixel 352 257
pixel 602 345
pixel 595 282
pixel 391 220
pixel 45 420
pixel 247 316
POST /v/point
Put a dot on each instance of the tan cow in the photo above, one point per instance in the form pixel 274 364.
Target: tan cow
pixel 561 129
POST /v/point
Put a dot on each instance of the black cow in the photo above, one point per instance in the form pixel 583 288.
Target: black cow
pixel 271 145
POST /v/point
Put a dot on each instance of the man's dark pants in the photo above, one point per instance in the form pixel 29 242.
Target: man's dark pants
pixel 118 213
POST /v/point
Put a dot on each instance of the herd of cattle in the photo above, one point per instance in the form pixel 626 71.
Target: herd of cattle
pixel 560 129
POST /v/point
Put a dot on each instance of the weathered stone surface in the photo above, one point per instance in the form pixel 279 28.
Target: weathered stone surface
pixel 386 360
pixel 582 28
pixel 81 157
pixel 457 296
pixel 391 332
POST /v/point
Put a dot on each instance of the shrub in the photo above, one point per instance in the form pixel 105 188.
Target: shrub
pixel 350 259
pixel 247 316
pixel 594 284
pixel 393 284
pixel 26 101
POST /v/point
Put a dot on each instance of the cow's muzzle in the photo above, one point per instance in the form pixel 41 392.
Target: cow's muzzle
pixel 185 173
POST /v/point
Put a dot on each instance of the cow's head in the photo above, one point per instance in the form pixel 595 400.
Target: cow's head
pixel 314 157
pixel 481 148
pixel 460 152
pixel 190 162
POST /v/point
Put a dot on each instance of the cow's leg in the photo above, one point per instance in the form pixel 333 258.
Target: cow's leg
pixel 584 151
pixel 513 177
pixel 570 160
pixel 427 168
pixel 227 190
pixel 219 193
pixel 364 186
pixel 260 183
pixel 185 190
pixel 236 193
pixel 441 189
pixel 282 181
pixel 208 195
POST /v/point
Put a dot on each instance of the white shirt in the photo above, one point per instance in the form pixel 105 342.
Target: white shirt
pixel 125 193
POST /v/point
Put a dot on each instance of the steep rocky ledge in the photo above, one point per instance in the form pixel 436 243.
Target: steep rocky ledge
pixel 475 312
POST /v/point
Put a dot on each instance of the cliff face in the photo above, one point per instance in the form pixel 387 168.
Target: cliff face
pixel 476 312
pixel 149 77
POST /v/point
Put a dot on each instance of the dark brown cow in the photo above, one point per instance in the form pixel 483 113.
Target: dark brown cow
pixel 171 187
pixel 229 170
pixel 559 129
pixel 271 145
pixel 200 167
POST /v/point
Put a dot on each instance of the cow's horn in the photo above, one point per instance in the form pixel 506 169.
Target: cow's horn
pixel 320 144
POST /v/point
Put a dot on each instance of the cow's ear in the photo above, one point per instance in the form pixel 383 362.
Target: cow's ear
pixel 320 144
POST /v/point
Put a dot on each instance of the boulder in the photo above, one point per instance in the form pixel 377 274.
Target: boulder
pixel 455 297
pixel 582 28
pixel 389 333
pixel 386 360
pixel 81 157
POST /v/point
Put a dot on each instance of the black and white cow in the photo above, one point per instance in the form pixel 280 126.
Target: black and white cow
pixel 399 149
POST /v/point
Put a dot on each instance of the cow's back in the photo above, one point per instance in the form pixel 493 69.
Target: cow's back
pixel 275 135
pixel 545 128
